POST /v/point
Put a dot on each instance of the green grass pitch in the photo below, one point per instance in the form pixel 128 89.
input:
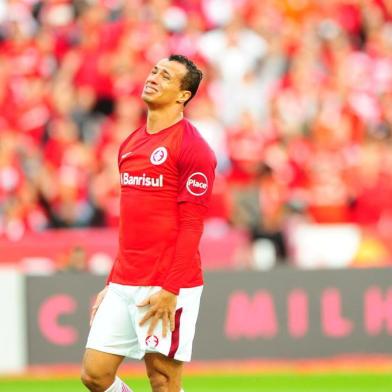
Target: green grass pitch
pixel 227 383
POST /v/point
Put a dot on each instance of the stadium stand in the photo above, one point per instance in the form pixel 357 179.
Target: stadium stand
pixel 296 102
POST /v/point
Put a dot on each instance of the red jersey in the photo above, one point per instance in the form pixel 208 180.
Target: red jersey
pixel 157 173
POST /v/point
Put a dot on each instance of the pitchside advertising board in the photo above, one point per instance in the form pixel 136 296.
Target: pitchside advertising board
pixel 282 314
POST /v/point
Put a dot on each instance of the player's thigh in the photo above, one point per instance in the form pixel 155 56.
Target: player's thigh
pixel 112 330
pixel 177 344
pixel 100 365
pixel 158 365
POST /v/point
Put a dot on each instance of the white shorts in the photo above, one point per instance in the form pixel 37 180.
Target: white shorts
pixel 116 329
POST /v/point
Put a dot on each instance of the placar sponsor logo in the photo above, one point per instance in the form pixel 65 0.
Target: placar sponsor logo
pixel 197 184
pixel 158 156
pixel 143 180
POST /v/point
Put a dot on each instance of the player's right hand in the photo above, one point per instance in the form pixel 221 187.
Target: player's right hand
pixel 98 300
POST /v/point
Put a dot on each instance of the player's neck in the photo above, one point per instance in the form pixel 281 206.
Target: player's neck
pixel 157 120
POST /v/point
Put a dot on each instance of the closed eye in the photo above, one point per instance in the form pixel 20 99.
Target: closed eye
pixel 165 74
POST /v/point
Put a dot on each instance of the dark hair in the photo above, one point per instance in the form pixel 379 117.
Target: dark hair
pixel 192 78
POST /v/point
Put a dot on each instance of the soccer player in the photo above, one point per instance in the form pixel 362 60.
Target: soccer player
pixel 150 304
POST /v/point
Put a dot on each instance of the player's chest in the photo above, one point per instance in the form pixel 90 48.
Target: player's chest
pixel 149 156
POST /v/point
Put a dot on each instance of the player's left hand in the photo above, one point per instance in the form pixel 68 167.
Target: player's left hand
pixel 162 307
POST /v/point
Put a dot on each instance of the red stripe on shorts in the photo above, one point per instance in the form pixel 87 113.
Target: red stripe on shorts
pixel 175 338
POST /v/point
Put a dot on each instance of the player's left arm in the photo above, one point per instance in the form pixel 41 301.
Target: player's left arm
pixel 196 176
pixel 196 167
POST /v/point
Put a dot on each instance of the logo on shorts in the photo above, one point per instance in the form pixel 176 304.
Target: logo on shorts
pixel 158 156
pixel 197 184
pixel 152 341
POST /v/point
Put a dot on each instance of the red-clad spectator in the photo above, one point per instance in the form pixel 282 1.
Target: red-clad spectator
pixel 246 145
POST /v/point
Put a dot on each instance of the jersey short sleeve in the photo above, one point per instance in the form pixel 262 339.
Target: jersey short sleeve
pixel 196 166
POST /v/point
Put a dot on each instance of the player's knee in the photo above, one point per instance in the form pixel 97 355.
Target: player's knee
pixel 88 380
pixel 96 382
pixel 159 381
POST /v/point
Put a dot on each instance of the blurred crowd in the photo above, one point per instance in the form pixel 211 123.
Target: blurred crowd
pixel 296 102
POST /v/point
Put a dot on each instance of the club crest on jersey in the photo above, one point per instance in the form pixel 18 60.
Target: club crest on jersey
pixel 197 184
pixel 158 156
pixel 152 341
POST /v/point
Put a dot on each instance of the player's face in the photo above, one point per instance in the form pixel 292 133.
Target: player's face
pixel 163 84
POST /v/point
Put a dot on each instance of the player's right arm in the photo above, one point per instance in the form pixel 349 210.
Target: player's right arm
pixel 98 301
pixel 101 295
